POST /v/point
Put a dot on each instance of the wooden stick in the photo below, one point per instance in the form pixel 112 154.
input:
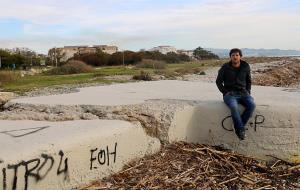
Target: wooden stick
pixel 263 187
pixel 294 167
pixel 131 168
pixel 235 178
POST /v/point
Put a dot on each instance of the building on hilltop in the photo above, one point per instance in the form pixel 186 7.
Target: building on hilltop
pixel 106 48
pixel 168 49
pixel 67 52
pixel 164 49
pixel 186 52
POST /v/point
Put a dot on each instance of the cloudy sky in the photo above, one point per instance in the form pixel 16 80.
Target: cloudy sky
pixel 136 24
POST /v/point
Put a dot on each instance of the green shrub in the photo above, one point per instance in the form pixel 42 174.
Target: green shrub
pixel 71 67
pixel 202 73
pixel 152 64
pixel 170 57
pixel 142 76
pixel 8 76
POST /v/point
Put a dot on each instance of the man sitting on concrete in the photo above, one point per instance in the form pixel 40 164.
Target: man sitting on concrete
pixel 234 81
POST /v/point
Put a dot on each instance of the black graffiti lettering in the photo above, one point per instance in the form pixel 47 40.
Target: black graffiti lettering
pixel 29 172
pixel 104 156
pixel 107 151
pixel 92 159
pixel 30 131
pixel 65 170
pixel 101 155
pixel 34 168
pixel 4 178
pixel 15 168
pixel 259 119
pixel 115 153
pixel 46 158
pixel 223 125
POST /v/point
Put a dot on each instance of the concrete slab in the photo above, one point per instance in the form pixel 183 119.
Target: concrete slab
pixel 65 155
pixel 135 93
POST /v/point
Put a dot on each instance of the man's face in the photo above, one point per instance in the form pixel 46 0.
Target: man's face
pixel 235 58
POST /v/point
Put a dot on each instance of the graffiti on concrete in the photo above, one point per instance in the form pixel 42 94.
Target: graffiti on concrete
pixel 37 168
pixel 65 169
pixel 4 178
pixel 258 121
pixel 102 156
pixel 24 132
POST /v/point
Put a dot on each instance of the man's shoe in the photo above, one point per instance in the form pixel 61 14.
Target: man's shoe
pixel 240 133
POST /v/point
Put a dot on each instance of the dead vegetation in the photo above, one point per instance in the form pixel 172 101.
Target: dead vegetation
pixel 282 76
pixel 192 166
pixel 8 76
pixel 253 60
pixel 142 76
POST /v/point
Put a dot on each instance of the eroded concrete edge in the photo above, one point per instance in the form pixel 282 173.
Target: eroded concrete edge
pixel 155 116
pixel 192 121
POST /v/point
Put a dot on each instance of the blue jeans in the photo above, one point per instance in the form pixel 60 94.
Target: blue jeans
pixel 232 100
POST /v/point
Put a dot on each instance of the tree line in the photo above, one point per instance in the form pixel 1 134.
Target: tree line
pixel 131 58
pixel 200 53
pixel 18 59
pixel 15 60
pixel 128 58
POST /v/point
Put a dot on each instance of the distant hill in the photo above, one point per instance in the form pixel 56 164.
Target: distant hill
pixel 247 52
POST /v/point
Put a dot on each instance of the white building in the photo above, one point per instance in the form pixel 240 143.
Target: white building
pixel 186 52
pixel 164 49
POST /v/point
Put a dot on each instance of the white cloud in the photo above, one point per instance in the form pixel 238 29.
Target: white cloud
pixel 208 23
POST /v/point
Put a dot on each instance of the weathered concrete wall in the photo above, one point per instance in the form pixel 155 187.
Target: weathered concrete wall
pixel 64 155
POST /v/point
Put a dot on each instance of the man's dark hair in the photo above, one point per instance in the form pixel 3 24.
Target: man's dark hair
pixel 235 50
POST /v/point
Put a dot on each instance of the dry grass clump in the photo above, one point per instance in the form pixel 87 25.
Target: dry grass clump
pixel 193 166
pixel 9 76
pixel 142 76
pixel 187 70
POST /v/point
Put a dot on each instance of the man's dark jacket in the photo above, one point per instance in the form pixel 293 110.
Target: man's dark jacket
pixel 231 79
